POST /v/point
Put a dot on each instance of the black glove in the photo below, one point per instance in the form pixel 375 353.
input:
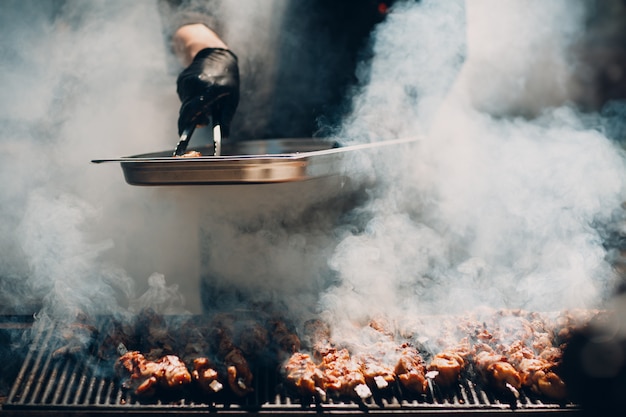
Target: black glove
pixel 209 86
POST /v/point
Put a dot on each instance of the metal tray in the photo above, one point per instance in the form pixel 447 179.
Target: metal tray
pixel 254 162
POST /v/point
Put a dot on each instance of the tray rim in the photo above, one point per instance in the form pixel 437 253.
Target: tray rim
pixel 245 157
pixel 146 170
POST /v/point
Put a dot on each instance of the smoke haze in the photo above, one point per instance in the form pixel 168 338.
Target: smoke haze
pixel 486 211
pixel 483 210
pixel 80 80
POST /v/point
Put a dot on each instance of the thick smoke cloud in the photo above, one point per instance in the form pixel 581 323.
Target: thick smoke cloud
pixel 83 80
pixel 484 209
pixel 490 208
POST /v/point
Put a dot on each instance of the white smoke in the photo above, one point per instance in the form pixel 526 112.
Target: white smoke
pixel 485 210
pixel 482 210
pixel 81 81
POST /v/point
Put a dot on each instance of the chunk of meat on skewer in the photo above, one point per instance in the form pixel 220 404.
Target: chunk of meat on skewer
pixel 196 353
pixel 205 375
pixel 448 367
pixel 342 374
pixel 175 373
pixel 303 374
pixel 537 375
pixel 285 340
pixel 536 372
pixel 145 376
pixel 317 335
pixel 448 364
pixel 496 370
pixel 239 373
pixel 140 375
pixel 377 374
pixel 410 370
pixel 251 337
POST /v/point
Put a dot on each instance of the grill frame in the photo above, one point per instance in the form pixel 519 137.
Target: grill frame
pixel 75 386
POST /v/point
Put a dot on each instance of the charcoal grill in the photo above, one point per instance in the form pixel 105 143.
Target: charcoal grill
pixel 72 385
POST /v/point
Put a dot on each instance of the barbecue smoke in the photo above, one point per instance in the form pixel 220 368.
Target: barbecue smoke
pixel 80 81
pixel 512 190
pixel 506 200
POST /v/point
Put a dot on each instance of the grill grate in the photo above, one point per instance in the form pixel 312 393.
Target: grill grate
pixel 68 385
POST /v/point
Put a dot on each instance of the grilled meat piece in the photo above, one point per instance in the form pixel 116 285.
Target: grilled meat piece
pixel 317 336
pixel 302 374
pixel 196 355
pixel 495 369
pixel 378 374
pixel 155 338
pixel 335 372
pixel 205 375
pixel 239 374
pixel 286 341
pixel 138 374
pixel 343 375
pixel 252 337
pixel 144 376
pixel 410 369
pixel 75 337
pixel 537 373
pixel 448 366
pixel 174 372
pixel 116 338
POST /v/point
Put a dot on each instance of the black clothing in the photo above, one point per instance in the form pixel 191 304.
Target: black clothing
pixel 319 45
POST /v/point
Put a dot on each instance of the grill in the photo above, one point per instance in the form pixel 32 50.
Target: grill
pixel 78 386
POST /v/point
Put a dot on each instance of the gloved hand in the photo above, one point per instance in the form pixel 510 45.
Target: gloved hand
pixel 209 86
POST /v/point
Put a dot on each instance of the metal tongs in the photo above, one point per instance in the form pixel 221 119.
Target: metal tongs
pixel 185 137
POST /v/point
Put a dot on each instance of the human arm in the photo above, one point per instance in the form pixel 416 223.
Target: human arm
pixel 209 85
pixel 190 39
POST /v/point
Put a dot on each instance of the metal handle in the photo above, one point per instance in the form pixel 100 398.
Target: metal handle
pixel 217 136
pixel 181 146
pixel 216 129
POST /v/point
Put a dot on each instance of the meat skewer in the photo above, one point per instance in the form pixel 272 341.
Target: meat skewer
pixel 378 374
pixel 328 370
pixel 238 373
pixel 410 370
pixel 285 340
pixel 301 369
pixel 496 370
pixel 205 375
pixel 343 375
pixel 446 367
pixel 144 376
pixel 303 374
pixel 529 356
pixel 197 353
pixel 536 372
pixel 381 363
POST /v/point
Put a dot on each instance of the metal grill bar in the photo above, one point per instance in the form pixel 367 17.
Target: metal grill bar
pixel 47 384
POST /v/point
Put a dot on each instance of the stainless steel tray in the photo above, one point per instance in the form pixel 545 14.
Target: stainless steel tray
pixel 262 161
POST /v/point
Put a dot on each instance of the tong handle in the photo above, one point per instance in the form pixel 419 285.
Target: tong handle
pixel 185 137
pixel 183 142
pixel 216 130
